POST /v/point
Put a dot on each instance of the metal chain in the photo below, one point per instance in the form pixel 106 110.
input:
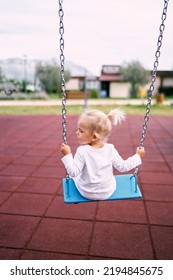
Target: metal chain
pixel 154 72
pixel 62 72
pixel 62 63
pixel 153 78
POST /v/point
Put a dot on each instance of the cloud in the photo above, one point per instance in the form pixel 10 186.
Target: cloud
pixel 96 32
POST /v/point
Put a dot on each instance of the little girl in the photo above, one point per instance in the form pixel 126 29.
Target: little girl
pixel 92 166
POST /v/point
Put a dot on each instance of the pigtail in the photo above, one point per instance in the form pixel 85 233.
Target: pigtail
pixel 116 116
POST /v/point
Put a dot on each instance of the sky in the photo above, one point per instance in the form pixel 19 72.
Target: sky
pixel 97 32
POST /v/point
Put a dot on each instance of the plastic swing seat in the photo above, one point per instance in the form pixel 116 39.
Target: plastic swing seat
pixel 126 188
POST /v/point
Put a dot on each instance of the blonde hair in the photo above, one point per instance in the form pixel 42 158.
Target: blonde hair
pixel 100 124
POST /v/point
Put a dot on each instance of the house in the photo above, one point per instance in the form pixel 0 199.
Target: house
pixel 81 78
pixel 77 83
pixel 165 78
pixel 164 82
pixel 109 84
pixel 112 83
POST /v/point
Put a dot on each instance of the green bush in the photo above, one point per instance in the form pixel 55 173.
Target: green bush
pixel 94 93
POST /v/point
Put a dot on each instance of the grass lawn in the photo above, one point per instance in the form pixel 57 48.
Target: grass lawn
pixel 77 109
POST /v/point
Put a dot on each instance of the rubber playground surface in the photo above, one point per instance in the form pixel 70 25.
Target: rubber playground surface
pixel 35 222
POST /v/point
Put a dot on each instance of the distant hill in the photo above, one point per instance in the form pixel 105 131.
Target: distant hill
pixel 17 68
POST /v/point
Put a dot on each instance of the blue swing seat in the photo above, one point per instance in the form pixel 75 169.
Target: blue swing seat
pixel 126 188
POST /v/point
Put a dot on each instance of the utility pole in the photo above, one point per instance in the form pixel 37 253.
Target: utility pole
pixel 85 90
pixel 25 72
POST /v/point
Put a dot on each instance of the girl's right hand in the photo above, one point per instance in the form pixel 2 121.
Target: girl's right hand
pixel 140 151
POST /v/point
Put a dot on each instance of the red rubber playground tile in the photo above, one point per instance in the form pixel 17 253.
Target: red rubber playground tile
pixel 169 158
pixel 48 172
pixel 158 192
pixel 16 230
pixel 151 166
pixel 51 161
pixel 40 185
pixel 40 255
pixel 163 242
pixel 63 236
pixel 71 211
pixel 17 170
pixel 122 211
pixel 121 241
pixel 38 152
pixel 29 160
pixel 10 254
pixel 7 158
pixel 14 151
pixel 160 213
pixel 4 196
pixel 170 165
pixel 165 178
pixel 10 183
pixel 2 165
pixel 26 204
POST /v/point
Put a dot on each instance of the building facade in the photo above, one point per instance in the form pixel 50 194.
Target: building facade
pixel 110 83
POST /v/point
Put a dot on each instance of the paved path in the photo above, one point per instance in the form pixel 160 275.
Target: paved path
pixel 77 102
pixel 36 224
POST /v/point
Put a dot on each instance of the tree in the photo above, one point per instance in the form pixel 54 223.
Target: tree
pixel 1 76
pixel 135 73
pixel 49 77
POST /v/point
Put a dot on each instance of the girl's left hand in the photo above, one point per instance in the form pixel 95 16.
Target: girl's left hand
pixel 65 149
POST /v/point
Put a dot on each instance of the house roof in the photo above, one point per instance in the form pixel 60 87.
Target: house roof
pixel 108 77
pixel 165 73
pixel 110 73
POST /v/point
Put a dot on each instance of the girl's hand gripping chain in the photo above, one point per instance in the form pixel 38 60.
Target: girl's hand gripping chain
pixel 140 151
pixel 65 149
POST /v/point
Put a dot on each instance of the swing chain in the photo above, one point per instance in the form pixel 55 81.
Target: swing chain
pixel 153 78
pixel 154 72
pixel 62 72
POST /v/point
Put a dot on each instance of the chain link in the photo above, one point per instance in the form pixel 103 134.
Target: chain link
pixel 154 73
pixel 153 76
pixel 62 72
